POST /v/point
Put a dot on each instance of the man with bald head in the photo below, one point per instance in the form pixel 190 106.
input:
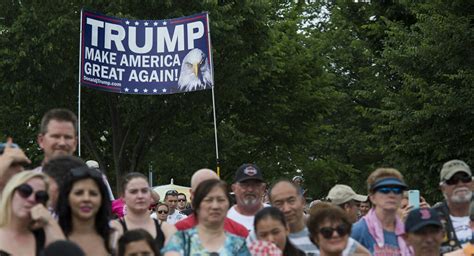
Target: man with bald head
pixel 229 225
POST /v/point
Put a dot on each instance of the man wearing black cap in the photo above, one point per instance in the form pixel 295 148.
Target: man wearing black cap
pixel 249 188
pixel 456 185
pixel 424 231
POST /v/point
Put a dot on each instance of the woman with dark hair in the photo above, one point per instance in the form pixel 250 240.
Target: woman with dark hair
pixel 270 225
pixel 208 237
pixel 162 211
pixel 84 211
pixel 137 242
pixel 137 197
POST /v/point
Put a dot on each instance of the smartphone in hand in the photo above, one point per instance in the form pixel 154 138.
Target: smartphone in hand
pixel 414 198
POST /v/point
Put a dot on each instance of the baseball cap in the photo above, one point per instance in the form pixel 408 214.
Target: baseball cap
pixel 452 167
pixel 341 193
pixel 248 172
pixel 421 217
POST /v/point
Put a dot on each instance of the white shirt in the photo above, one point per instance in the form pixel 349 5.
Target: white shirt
pixel 175 217
pixel 246 221
pixel 462 228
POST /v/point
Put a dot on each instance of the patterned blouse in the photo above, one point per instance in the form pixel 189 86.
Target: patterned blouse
pixel 187 243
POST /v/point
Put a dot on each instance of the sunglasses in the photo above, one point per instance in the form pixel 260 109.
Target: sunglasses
pixel 181 200
pixel 162 212
pixel 455 179
pixel 171 192
pixel 327 232
pixel 387 190
pixel 25 191
pixel 81 172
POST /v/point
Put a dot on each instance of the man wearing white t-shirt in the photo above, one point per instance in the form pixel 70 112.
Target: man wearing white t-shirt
pixel 456 185
pixel 248 188
pixel 171 199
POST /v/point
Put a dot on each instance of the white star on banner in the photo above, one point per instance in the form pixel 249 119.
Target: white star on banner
pixel 126 90
pixel 127 22
pixel 135 90
pixel 136 23
pixel 164 90
pixel 164 23
pixel 155 90
pixel 145 90
pixel 146 23
pixel 155 23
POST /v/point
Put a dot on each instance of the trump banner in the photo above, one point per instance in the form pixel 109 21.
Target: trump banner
pixel 145 56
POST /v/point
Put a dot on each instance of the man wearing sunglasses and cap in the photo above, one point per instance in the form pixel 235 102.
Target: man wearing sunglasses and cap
pixel 456 185
pixel 171 199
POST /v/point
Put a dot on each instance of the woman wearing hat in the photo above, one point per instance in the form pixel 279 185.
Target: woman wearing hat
pixel 381 230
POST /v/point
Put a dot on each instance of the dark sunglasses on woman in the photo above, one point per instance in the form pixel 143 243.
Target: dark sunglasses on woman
pixel 327 232
pixel 25 191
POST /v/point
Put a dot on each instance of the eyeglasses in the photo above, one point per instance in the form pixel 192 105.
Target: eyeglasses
pixel 171 192
pixel 387 190
pixel 84 172
pixel 25 191
pixel 456 178
pixel 181 200
pixel 327 232
pixel 162 212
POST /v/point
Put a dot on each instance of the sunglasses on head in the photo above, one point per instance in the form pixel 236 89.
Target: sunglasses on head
pixel 25 191
pixel 456 178
pixel 171 192
pixel 85 172
pixel 387 190
pixel 327 232
pixel 162 212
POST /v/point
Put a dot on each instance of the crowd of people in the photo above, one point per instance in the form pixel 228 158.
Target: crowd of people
pixel 65 206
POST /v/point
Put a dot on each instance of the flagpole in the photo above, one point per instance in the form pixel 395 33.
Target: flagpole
pixel 218 168
pixel 79 92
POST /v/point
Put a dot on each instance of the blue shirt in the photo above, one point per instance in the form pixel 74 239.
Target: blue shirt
pixel 360 232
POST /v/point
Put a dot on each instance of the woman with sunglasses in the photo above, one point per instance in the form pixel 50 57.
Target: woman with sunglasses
pixel 210 203
pixel 381 230
pixel 84 211
pixel 329 228
pixel 161 213
pixel 137 197
pixel 26 226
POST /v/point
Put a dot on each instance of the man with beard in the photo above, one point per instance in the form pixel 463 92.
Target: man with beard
pixel 456 185
pixel 248 188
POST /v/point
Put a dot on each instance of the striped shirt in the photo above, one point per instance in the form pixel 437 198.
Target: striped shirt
pixel 301 241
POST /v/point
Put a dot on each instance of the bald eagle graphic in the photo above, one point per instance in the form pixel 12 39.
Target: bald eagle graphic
pixel 195 72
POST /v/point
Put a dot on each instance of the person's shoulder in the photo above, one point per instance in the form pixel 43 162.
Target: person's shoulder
pixel 234 240
pixel 186 223
pixel 235 228
pixel 359 228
